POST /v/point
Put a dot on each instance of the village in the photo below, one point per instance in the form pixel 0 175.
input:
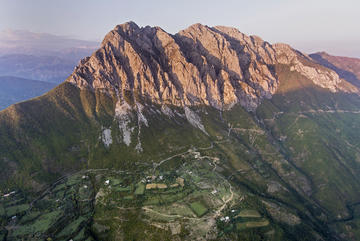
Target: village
pixel 194 193
pixel 183 191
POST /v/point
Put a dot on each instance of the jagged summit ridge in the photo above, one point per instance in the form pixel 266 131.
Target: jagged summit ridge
pixel 215 66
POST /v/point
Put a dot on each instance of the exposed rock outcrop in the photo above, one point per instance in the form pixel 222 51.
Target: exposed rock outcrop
pixel 216 66
pixel 346 68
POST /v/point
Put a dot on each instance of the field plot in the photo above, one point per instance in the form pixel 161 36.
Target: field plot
pixel 140 189
pixel 198 208
pixel 60 213
pixel 252 224
pixel 249 214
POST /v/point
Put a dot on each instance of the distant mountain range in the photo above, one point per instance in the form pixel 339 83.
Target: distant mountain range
pixel 29 60
pixel 30 43
pixel 41 56
pixel 45 68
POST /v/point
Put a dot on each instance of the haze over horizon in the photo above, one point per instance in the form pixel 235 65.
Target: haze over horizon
pixel 330 24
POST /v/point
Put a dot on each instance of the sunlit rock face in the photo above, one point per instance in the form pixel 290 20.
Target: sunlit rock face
pixel 217 66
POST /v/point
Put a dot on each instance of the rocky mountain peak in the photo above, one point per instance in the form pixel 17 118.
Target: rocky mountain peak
pixel 127 28
pixel 217 66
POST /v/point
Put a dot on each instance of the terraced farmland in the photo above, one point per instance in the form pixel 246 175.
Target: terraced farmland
pixel 184 198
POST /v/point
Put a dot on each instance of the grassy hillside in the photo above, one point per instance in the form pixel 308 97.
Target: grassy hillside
pixel 289 171
pixel 59 132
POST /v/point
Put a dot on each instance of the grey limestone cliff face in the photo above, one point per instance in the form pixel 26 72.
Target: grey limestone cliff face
pixel 217 66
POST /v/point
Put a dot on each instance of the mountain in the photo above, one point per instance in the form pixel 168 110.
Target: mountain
pixel 208 134
pixel 347 68
pixel 45 68
pixel 39 44
pixel 13 90
pixel 32 56
pixel 41 56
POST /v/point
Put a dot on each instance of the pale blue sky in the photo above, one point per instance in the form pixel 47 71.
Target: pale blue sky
pixel 309 25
